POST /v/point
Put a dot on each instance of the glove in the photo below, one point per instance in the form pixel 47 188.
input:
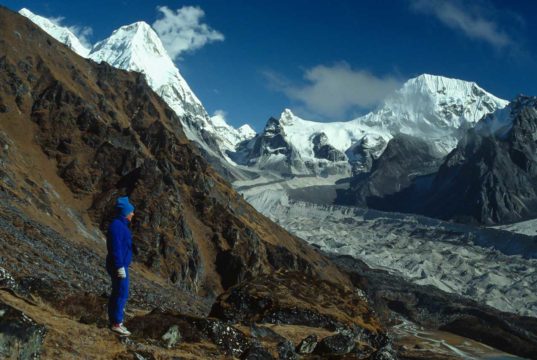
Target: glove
pixel 121 273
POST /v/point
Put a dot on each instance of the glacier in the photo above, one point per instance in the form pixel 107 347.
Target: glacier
pixel 486 265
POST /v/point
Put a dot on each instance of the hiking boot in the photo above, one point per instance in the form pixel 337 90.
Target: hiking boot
pixel 120 329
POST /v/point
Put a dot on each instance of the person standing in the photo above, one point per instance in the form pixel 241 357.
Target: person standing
pixel 119 245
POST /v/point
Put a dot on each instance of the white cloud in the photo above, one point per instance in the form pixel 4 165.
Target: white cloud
pixel 83 33
pixel 219 118
pixel 470 20
pixel 333 92
pixel 182 30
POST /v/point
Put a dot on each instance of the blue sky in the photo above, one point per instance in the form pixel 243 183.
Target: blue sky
pixel 326 60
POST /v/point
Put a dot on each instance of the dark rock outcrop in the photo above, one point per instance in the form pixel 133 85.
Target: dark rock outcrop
pixel 323 150
pixel 433 308
pixel 157 326
pixel 338 344
pixel 491 177
pixel 294 299
pixel 20 337
pixel 405 158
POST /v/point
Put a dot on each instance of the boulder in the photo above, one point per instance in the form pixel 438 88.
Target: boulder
pixel 20 337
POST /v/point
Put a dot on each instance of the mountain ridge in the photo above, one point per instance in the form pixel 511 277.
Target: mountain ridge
pixel 434 108
pixel 137 47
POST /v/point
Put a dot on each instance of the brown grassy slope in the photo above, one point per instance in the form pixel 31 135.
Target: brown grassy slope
pixel 86 133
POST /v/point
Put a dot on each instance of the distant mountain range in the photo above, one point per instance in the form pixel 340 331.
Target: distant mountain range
pixel 433 108
pixel 419 124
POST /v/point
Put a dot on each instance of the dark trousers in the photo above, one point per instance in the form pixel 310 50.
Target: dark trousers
pixel 118 297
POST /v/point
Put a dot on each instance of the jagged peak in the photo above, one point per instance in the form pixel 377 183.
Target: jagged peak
pixel 287 117
pixel 247 130
pixel 139 35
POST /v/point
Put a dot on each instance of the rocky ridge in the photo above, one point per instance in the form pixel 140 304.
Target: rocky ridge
pixel 74 135
pixel 489 178
pixel 137 47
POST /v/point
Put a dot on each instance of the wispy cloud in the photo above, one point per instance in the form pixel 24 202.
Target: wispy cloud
pixel 83 33
pixel 219 118
pixel 182 30
pixel 468 19
pixel 333 92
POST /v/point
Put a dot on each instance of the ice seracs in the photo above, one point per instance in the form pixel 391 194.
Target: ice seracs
pixel 60 33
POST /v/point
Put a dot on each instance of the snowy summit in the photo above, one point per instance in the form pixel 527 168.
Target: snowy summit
pixel 60 33
pixel 137 47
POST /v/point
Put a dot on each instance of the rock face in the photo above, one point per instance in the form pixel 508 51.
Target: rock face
pixel 20 337
pixel 269 150
pixel 405 158
pixel 490 177
pixel 323 150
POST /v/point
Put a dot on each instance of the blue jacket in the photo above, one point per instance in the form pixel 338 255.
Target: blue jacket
pixel 119 244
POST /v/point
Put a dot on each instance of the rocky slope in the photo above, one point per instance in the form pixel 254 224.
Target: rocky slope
pixel 489 178
pixel 405 158
pixel 74 136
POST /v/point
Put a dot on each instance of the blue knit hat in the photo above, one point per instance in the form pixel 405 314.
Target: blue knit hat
pixel 124 206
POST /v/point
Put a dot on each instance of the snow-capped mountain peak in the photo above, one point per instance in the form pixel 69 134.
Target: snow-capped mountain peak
pixel 434 108
pixel 246 132
pixel 60 33
pixel 137 47
pixel 286 117
pixel 431 102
